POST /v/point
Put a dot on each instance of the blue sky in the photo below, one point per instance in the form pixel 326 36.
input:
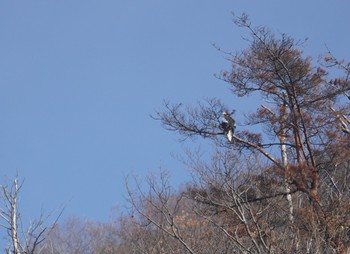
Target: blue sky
pixel 79 80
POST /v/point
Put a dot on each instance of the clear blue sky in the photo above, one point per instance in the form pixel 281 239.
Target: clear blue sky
pixel 79 79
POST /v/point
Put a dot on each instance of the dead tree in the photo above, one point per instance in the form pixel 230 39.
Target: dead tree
pixel 21 241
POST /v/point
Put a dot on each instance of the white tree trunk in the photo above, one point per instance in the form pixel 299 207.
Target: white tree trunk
pixel 284 156
pixel 289 195
pixel 14 224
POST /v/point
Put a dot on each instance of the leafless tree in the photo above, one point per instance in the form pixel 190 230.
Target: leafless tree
pixel 159 208
pixel 163 221
pixel 75 235
pixel 21 240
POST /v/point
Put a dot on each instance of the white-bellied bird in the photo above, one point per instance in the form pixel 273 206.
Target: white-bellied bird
pixel 228 126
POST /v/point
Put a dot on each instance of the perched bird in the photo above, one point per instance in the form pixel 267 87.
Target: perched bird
pixel 229 120
pixel 228 125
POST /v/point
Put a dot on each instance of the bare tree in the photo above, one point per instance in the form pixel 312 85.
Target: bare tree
pixel 164 221
pixel 159 208
pixel 21 240
pixel 75 235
